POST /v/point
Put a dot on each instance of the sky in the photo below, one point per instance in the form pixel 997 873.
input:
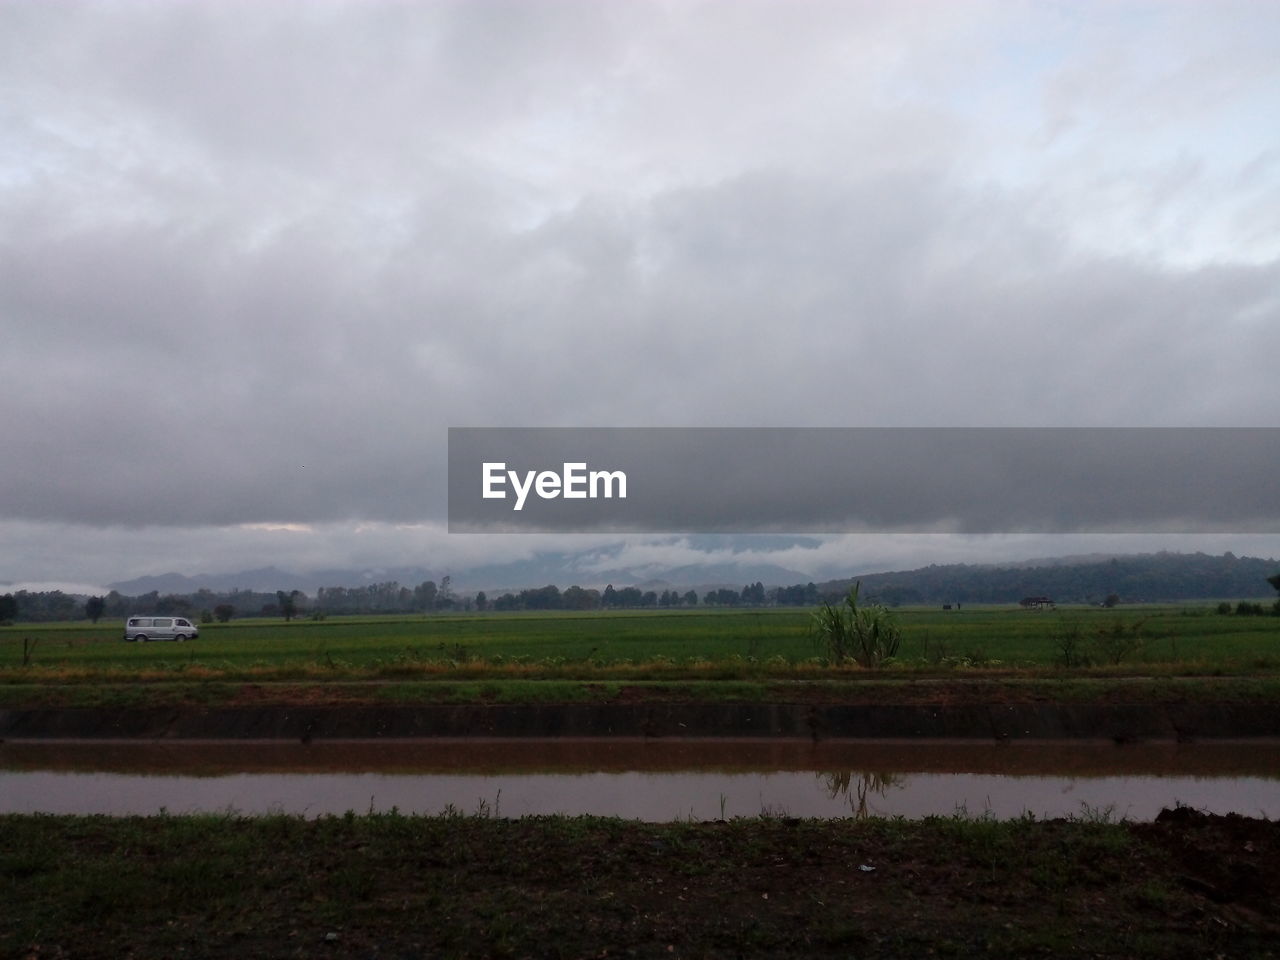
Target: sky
pixel 257 258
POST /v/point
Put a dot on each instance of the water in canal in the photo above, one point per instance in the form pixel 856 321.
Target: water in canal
pixel 655 780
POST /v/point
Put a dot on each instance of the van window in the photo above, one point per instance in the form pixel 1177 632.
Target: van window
pixel 140 622
pixel 182 623
pixel 164 621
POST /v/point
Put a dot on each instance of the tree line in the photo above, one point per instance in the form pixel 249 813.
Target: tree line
pixel 575 597
pixel 378 598
pixel 1159 577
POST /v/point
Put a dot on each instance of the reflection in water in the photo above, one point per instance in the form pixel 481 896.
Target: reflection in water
pixel 644 780
pixel 838 785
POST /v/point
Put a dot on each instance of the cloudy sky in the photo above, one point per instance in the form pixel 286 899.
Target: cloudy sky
pixel 256 258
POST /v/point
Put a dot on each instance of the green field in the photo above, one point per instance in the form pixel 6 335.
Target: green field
pixel 728 643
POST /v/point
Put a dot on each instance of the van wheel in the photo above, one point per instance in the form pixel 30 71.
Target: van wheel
pixel 140 638
pixel 180 637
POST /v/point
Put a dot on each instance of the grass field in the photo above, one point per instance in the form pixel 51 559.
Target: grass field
pixel 463 886
pixel 635 644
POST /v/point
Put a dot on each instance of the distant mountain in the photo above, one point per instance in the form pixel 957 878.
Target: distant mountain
pixel 702 576
pixel 163 583
pixel 271 579
pixel 1134 577
pixel 1156 577
pixel 563 570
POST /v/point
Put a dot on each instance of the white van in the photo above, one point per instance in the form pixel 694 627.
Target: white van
pixel 160 628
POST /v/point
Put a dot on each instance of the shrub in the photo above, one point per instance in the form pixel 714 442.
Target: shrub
pixel 1070 644
pixel 1120 641
pixel 868 634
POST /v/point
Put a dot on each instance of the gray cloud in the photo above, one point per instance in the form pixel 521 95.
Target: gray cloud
pixel 254 260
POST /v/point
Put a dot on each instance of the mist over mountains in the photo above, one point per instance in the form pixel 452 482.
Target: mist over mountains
pixel 270 579
pixel 559 569
pixel 1134 578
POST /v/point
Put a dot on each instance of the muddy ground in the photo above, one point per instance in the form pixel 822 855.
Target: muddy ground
pixel 1187 885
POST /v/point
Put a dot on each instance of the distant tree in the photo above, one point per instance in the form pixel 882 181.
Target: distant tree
pixel 117 606
pixel 444 595
pixel 690 598
pixel 724 597
pixel 1112 600
pixel 173 603
pixel 1275 582
pixel 424 596
pixel 287 603
pixel 8 607
pixel 798 595
pixel 45 605
pixel 580 598
pixel 94 607
pixel 224 612
pixel 542 598
pixel 482 602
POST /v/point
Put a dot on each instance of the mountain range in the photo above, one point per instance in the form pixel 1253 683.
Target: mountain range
pixel 1133 577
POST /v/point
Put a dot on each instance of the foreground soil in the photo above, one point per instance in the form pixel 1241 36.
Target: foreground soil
pixel 473 886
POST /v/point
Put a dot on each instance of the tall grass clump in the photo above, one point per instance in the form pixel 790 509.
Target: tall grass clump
pixel 867 634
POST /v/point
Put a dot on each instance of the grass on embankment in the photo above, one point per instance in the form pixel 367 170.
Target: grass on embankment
pixel 462 886
pixel 942 691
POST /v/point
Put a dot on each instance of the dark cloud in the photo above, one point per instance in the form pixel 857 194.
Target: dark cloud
pixel 255 260
pixel 196 381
